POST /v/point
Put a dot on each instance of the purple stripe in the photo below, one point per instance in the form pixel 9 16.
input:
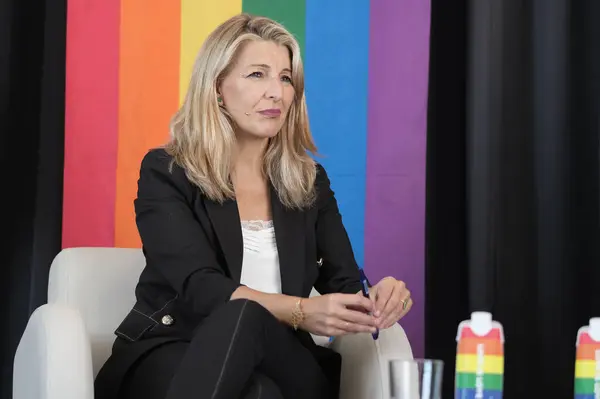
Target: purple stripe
pixel 396 139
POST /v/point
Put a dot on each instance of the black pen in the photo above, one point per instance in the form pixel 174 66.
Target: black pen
pixel 365 289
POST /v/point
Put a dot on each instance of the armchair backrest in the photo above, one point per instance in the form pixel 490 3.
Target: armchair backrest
pixel 100 284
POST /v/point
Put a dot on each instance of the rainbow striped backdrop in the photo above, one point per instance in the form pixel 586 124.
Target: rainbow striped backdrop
pixel 366 63
pixel 587 364
pixel 472 348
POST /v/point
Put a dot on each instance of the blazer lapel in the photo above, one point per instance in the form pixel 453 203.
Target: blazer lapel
pixel 225 219
pixel 290 238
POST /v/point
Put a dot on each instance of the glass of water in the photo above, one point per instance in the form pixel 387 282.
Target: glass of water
pixel 416 378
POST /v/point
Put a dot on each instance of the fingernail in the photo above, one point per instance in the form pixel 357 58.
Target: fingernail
pixel 377 313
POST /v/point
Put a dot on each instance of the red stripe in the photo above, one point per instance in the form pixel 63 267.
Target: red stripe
pixel 585 338
pixel 91 122
pixel 493 334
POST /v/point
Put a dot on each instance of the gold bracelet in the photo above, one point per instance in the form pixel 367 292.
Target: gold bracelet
pixel 297 315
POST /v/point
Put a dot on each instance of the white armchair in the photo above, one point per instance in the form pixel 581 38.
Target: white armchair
pixel 91 290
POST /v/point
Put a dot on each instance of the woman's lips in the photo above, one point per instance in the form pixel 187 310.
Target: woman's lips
pixel 272 112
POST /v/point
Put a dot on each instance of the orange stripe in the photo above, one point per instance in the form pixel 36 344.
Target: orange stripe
pixel 587 351
pixel 148 97
pixel 469 346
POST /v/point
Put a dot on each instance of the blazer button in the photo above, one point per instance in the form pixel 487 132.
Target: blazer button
pixel 167 320
pixel 320 262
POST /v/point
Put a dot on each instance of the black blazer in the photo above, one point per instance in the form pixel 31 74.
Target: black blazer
pixel 193 248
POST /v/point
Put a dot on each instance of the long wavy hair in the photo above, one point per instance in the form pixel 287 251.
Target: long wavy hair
pixel 202 133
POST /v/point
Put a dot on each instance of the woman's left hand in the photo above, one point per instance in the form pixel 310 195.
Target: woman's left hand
pixel 392 301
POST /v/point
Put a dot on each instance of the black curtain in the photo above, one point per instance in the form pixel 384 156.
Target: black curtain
pixel 513 205
pixel 32 81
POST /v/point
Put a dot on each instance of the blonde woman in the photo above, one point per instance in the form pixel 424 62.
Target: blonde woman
pixel 238 223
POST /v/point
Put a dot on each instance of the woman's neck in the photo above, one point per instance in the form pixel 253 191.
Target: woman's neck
pixel 248 157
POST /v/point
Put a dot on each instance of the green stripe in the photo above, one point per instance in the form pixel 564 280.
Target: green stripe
pixel 290 13
pixel 584 385
pixel 490 381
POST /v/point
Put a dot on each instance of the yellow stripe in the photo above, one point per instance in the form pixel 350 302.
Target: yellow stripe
pixel 491 364
pixel 198 19
pixel 585 369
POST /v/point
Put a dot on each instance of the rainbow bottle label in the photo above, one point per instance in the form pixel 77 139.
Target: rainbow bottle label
pixel 587 366
pixel 479 363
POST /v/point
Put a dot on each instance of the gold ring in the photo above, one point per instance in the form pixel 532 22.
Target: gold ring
pixel 405 303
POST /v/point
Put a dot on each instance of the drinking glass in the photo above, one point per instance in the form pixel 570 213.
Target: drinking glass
pixel 416 378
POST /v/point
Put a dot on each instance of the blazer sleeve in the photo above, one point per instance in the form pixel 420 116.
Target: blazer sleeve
pixel 174 242
pixel 339 271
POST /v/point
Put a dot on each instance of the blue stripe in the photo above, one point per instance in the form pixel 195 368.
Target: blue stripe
pixel 585 396
pixel 469 393
pixel 336 66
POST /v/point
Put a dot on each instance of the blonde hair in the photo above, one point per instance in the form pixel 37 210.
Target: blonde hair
pixel 202 133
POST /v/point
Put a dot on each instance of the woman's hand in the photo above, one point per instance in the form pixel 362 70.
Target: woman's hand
pixel 337 314
pixel 392 301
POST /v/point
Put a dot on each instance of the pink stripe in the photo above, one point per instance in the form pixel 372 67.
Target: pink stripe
pixel 91 122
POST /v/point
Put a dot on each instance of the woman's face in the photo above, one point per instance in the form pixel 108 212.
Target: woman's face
pixel 258 90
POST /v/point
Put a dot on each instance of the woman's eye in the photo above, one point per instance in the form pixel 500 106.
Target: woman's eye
pixel 256 74
pixel 286 79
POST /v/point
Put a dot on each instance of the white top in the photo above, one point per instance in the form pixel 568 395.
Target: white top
pixel 260 265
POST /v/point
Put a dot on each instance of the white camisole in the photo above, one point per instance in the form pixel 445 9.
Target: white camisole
pixel 260 265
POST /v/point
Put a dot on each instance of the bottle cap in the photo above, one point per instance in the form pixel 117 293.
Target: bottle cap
pixel 481 322
pixel 594 330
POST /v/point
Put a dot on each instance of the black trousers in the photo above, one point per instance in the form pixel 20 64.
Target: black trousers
pixel 239 351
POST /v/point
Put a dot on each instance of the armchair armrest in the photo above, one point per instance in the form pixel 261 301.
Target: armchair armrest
pixel 53 359
pixel 365 362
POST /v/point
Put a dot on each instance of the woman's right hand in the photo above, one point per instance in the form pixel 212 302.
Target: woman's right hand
pixel 338 314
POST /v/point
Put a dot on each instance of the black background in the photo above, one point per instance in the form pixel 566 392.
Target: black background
pixel 512 176
pixel 512 182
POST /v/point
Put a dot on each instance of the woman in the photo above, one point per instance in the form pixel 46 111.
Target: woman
pixel 238 223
